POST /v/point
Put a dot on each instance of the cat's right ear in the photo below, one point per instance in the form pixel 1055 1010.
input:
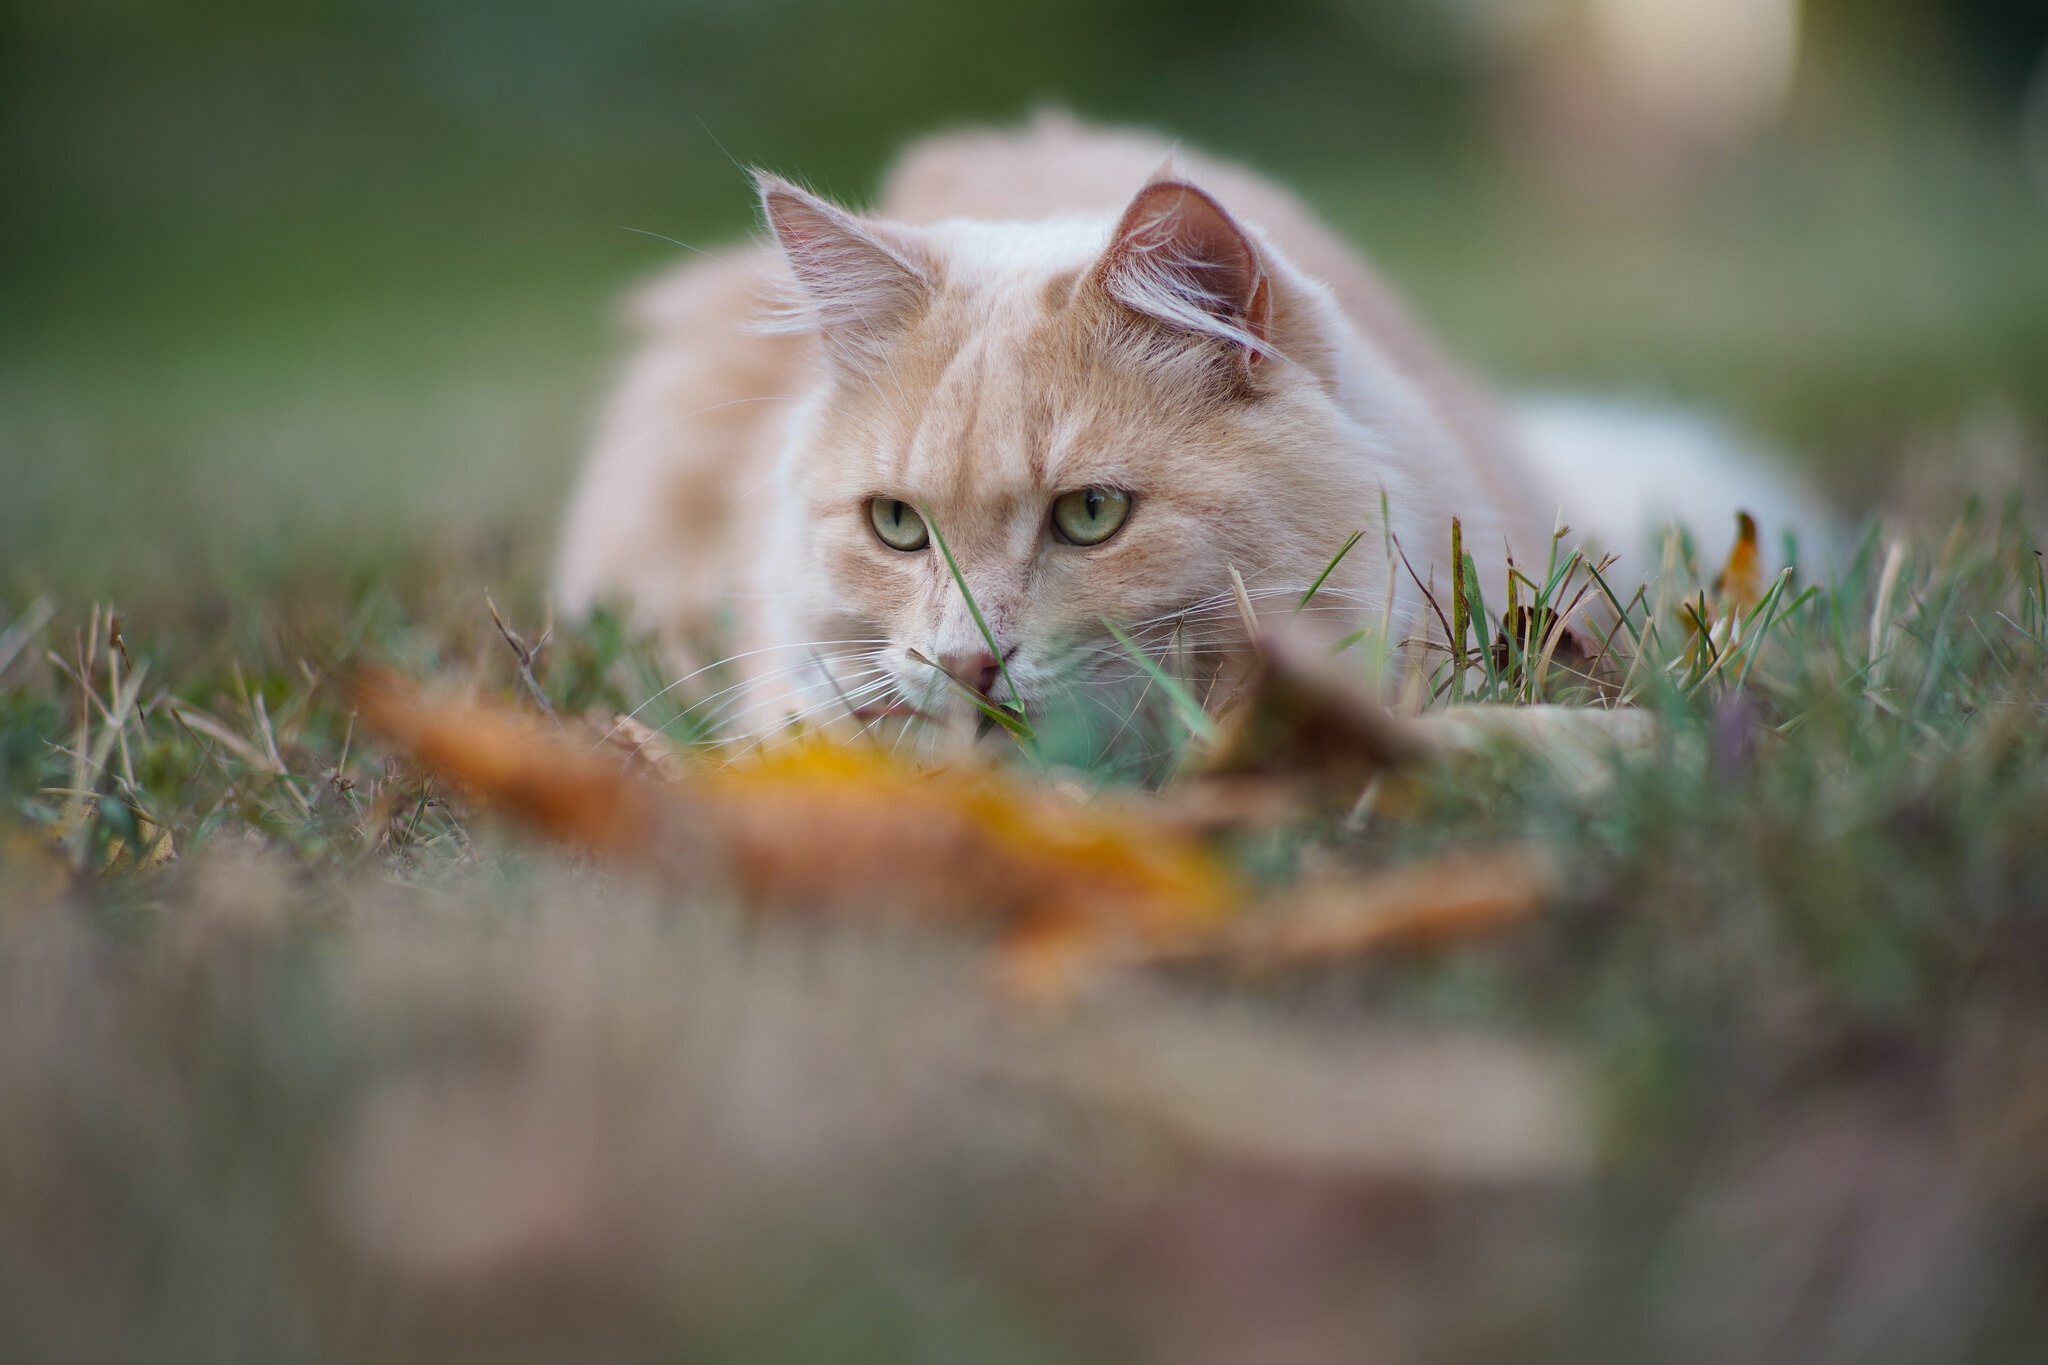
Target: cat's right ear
pixel 1178 257
pixel 857 284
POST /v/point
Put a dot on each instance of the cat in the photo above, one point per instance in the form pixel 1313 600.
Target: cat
pixel 1085 372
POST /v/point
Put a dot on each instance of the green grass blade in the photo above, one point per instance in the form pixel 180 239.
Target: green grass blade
pixel 1185 706
pixel 1012 722
pixel 1015 705
pixel 1328 569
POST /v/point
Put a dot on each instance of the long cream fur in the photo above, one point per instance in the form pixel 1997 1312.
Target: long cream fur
pixel 1027 313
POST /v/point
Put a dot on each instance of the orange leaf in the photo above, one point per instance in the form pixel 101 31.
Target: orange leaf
pixel 1740 584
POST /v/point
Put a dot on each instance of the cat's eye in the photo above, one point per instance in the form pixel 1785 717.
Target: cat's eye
pixel 1089 516
pixel 898 524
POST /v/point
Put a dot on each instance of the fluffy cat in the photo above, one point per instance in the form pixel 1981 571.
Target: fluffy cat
pixel 1105 371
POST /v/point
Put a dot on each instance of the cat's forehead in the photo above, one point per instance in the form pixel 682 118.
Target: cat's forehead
pixel 980 257
pixel 1004 390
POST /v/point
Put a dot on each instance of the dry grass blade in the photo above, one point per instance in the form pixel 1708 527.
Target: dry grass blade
pixel 17 637
pixel 525 654
pixel 1245 613
pixel 202 722
pixel 1881 612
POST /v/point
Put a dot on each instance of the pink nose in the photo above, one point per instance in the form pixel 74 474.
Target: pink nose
pixel 976 668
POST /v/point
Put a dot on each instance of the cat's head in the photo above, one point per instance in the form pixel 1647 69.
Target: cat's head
pixel 1093 421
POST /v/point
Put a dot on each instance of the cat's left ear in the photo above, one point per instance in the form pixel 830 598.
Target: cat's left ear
pixel 859 284
pixel 1177 257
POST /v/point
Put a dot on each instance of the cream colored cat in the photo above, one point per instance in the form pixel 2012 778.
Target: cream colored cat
pixel 1107 372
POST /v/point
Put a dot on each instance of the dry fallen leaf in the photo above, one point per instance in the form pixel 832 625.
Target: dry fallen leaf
pixel 1560 654
pixel 842 829
pixel 1304 718
pixel 1068 888
pixel 1740 584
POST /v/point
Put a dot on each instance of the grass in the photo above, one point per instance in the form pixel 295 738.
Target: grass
pixel 356 1075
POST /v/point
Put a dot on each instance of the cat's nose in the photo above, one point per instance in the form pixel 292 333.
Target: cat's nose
pixel 975 668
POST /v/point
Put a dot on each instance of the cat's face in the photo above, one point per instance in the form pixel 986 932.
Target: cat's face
pixel 1097 426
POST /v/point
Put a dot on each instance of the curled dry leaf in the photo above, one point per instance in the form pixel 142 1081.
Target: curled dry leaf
pixel 1304 718
pixel 1560 655
pixel 514 765
pixel 1312 730
pixel 1067 888
pixel 847 830
pixel 1740 584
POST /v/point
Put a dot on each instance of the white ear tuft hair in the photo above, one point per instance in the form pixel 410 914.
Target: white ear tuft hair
pixel 856 284
pixel 1177 257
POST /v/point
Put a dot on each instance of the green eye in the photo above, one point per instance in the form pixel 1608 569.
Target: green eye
pixel 898 524
pixel 1089 516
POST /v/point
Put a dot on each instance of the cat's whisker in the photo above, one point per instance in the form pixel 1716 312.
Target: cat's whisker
pixel 747 684
pixel 767 739
pixel 809 708
pixel 721 663
pixel 1224 604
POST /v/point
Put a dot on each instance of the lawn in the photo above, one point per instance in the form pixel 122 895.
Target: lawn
pixel 308 1054
pixel 311 1051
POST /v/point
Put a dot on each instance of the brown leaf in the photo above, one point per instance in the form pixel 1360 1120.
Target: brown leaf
pixel 823 827
pixel 1560 654
pixel 513 764
pixel 1066 888
pixel 1305 718
pixel 1740 584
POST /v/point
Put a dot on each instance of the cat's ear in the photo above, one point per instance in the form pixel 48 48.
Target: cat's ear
pixel 857 286
pixel 1177 257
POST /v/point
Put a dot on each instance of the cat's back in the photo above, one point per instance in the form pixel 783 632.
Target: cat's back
pixel 688 432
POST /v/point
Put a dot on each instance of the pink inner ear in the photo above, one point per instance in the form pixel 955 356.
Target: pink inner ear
pixel 1178 256
pixel 857 286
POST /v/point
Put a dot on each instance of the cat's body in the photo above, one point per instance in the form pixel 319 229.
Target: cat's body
pixel 1177 344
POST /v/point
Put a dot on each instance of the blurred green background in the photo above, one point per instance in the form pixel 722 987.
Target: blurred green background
pixel 302 285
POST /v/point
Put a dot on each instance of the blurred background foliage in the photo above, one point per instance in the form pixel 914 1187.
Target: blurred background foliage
pixel 290 285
